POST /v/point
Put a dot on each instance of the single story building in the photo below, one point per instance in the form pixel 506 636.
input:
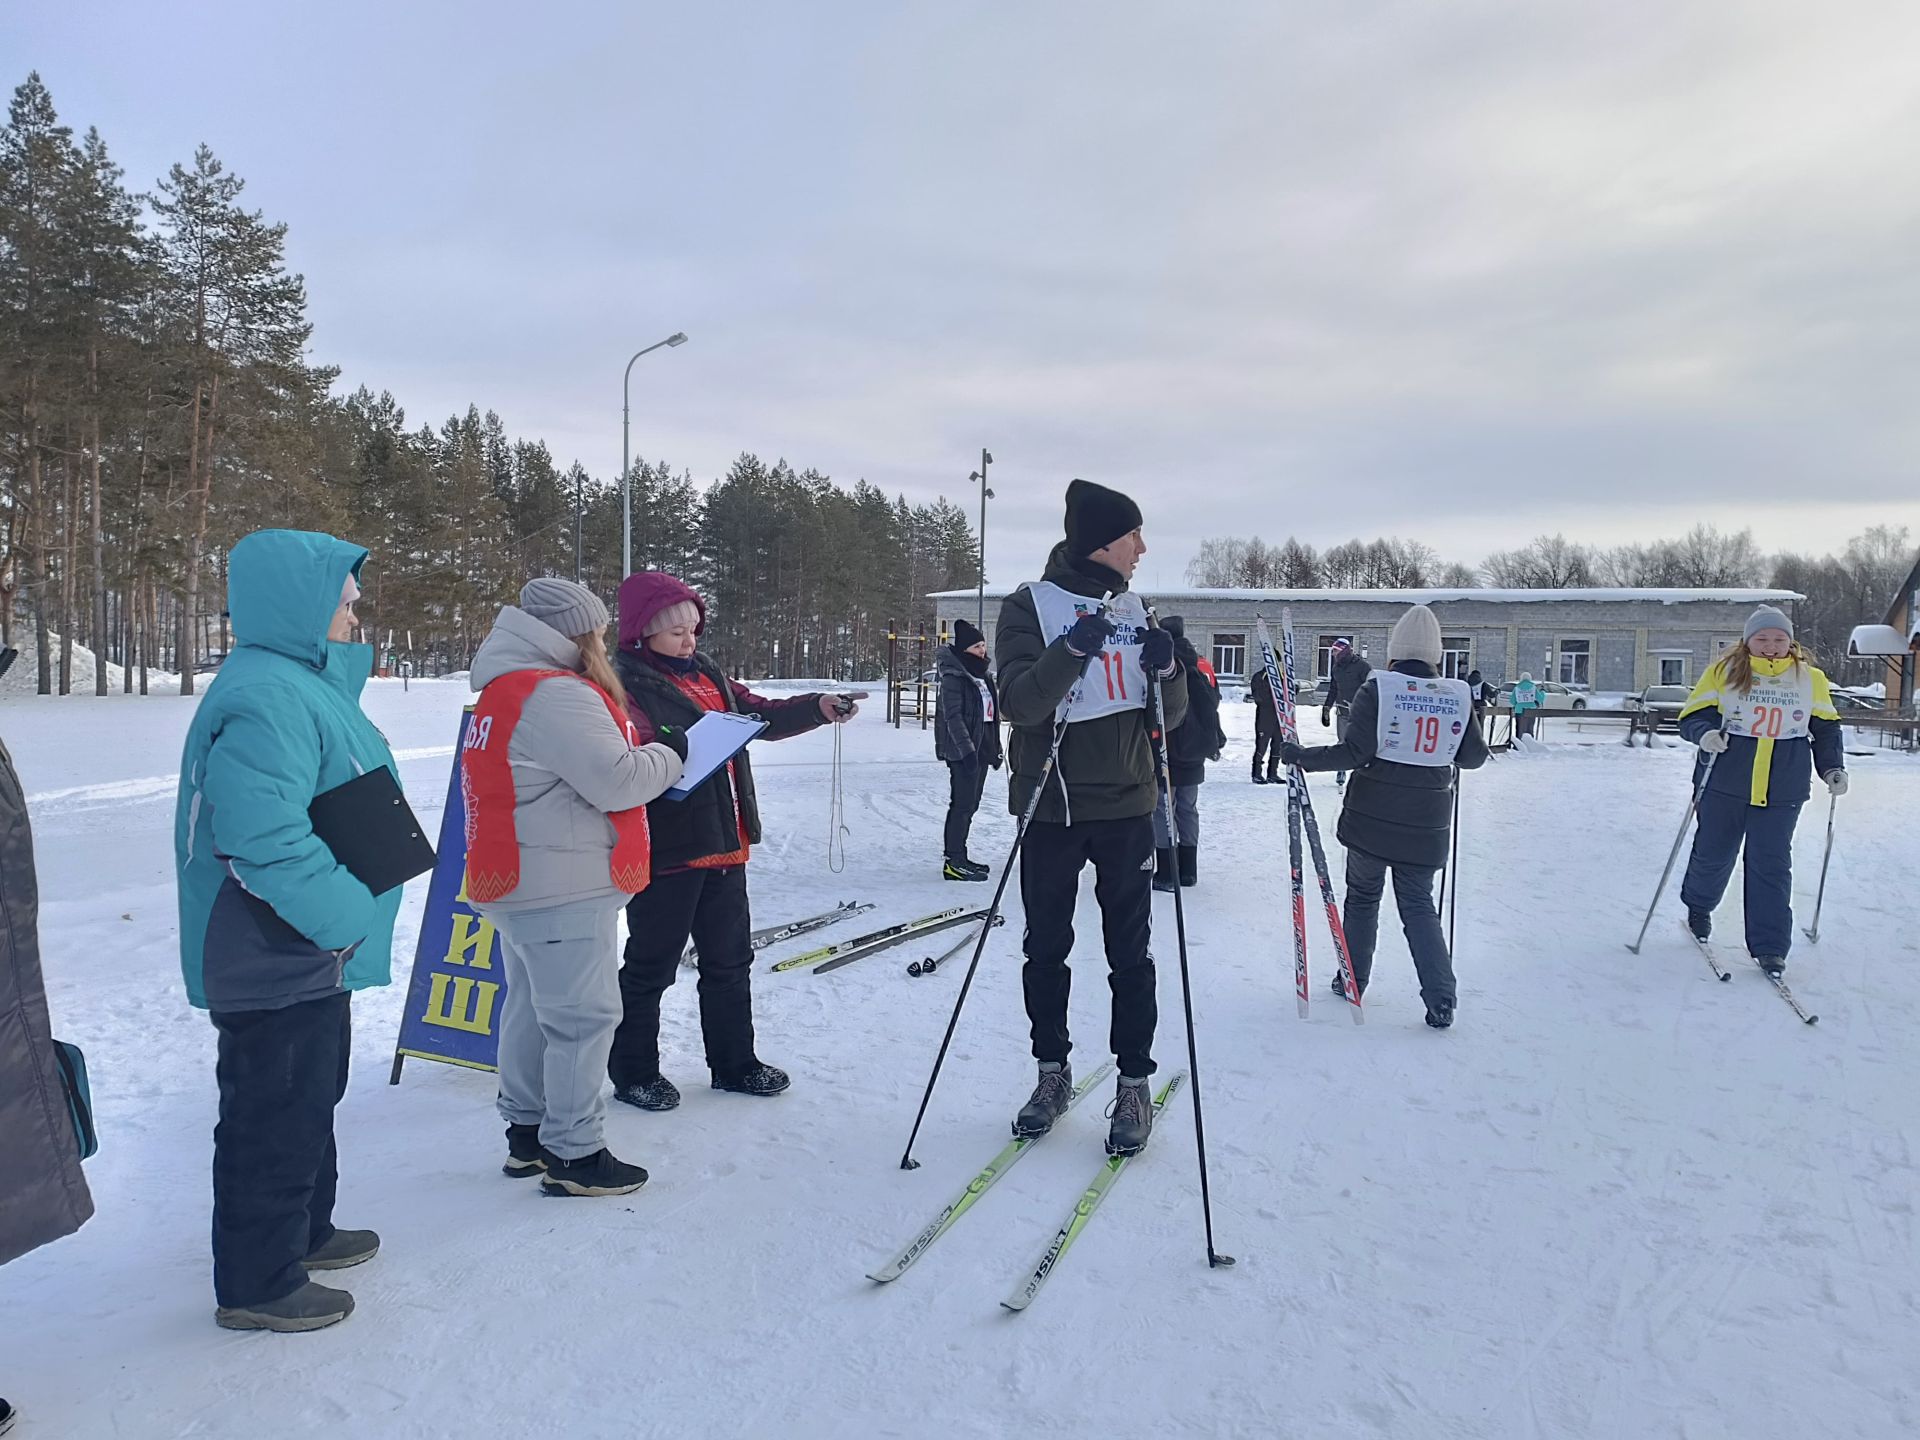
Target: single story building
pixel 1903 614
pixel 1590 639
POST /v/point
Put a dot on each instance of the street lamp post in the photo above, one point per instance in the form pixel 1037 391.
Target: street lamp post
pixel 626 466
pixel 980 612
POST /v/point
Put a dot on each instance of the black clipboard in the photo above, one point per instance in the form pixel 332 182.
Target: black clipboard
pixel 372 831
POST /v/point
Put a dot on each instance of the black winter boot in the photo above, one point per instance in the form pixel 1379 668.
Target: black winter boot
pixel 523 1152
pixel 1189 861
pixel 1132 1115
pixel 1700 922
pixel 1440 1014
pixel 754 1079
pixel 344 1249
pixel 595 1174
pixel 1164 878
pixel 1774 965
pixel 1258 778
pixel 1051 1096
pixel 659 1093
pixel 311 1307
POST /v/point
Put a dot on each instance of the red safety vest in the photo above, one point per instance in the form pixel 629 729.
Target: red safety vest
pixel 486 781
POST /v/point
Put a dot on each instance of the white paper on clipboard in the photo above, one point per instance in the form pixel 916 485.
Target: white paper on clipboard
pixel 712 740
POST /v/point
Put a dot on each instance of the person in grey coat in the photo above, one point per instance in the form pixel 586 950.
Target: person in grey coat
pixel 556 785
pixel 43 1195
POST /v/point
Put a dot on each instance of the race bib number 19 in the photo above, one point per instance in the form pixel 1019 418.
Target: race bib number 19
pixel 1422 721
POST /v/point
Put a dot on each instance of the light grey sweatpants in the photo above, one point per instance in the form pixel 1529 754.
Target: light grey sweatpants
pixel 1186 817
pixel 558 1019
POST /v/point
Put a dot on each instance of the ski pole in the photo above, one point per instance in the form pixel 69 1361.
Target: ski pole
pixel 1164 777
pixel 1686 823
pixel 934 962
pixel 907 1162
pixel 1812 932
pixel 1453 864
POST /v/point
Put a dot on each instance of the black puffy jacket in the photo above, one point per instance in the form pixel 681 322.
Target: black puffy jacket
pixel 961 731
pixel 1401 813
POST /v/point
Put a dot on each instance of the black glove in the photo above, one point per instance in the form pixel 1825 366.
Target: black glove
pixel 674 739
pixel 1089 635
pixel 1326 715
pixel 994 763
pixel 1291 752
pixel 1156 652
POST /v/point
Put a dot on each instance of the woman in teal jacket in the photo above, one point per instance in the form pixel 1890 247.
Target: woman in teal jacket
pixel 274 933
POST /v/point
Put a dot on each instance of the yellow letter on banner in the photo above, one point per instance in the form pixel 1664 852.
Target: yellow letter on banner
pixel 469 1006
pixel 471 942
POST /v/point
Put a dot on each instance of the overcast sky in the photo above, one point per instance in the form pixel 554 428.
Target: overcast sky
pixel 1457 271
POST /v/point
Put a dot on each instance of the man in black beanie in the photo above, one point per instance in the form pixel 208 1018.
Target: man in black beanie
pixel 966 734
pixel 1075 672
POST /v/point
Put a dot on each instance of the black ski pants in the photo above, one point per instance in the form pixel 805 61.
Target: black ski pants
pixel 967 781
pixel 1051 859
pixel 1419 920
pixel 710 906
pixel 275 1166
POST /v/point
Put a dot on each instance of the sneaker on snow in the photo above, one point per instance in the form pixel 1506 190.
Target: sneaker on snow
pixel 1132 1116
pixel 954 870
pixel 523 1152
pixel 1774 965
pixel 659 1093
pixel 1440 1014
pixel 344 1248
pixel 595 1174
pixel 755 1079
pixel 311 1307
pixel 1700 922
pixel 1051 1096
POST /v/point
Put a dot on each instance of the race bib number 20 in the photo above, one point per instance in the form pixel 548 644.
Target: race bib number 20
pixel 1776 708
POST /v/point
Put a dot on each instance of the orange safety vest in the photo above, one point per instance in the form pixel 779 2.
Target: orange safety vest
pixel 486 782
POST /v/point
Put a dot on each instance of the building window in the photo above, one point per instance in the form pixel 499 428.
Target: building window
pixel 1230 654
pixel 1456 656
pixel 1576 663
pixel 1673 670
pixel 1323 654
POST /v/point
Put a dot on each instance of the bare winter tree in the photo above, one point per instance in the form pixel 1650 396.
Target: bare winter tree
pixel 1546 562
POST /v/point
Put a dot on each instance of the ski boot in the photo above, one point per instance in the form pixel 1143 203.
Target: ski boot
pixel 1440 1014
pixel 1700 922
pixel 952 869
pixel 1774 965
pixel 1165 879
pixel 1051 1096
pixel 1132 1116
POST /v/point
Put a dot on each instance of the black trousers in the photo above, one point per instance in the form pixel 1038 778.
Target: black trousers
pixel 711 907
pixel 967 781
pixel 1263 742
pixel 1419 920
pixel 1051 859
pixel 275 1168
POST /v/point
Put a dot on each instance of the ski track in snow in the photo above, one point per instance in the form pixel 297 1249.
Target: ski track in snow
pixel 1618 1199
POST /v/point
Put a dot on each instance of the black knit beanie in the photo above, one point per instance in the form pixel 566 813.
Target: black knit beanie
pixel 966 635
pixel 1096 517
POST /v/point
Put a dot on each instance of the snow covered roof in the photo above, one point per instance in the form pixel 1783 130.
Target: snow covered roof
pixel 1434 597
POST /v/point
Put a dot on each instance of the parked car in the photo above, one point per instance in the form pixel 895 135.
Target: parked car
pixel 1658 707
pixel 1553 695
pixel 1846 700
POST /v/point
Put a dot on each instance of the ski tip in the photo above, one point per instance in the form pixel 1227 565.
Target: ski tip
pixel 1012 1307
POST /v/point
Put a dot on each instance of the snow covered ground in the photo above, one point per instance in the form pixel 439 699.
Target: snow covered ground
pixel 1617 1200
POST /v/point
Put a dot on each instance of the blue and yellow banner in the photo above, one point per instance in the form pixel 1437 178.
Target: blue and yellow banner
pixel 454 998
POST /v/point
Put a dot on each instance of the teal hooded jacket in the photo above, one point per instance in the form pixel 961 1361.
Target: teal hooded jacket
pixel 268 918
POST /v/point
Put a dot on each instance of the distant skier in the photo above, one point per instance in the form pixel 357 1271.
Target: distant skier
pixel 700 849
pixel 967 737
pixel 1190 745
pixel 1060 651
pixel 1266 730
pixel 1347 672
pixel 1527 701
pixel 1766 711
pixel 1408 731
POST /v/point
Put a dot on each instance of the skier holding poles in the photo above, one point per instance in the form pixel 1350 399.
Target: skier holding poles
pixel 1408 731
pixel 1766 712
pixel 1062 658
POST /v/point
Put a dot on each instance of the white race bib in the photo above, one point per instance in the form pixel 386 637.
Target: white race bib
pixel 1114 680
pixel 986 701
pixel 1422 720
pixel 1778 707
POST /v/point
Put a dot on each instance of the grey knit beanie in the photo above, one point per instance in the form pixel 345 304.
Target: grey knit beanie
pixel 685 613
pixel 570 608
pixel 1766 618
pixel 1416 636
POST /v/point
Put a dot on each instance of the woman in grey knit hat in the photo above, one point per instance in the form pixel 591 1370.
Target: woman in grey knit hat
pixel 557 784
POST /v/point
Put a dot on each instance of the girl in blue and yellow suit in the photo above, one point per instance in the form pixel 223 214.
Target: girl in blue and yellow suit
pixel 1767 713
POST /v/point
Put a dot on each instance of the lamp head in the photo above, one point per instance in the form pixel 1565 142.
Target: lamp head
pixel 679 337
pixel 986 457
